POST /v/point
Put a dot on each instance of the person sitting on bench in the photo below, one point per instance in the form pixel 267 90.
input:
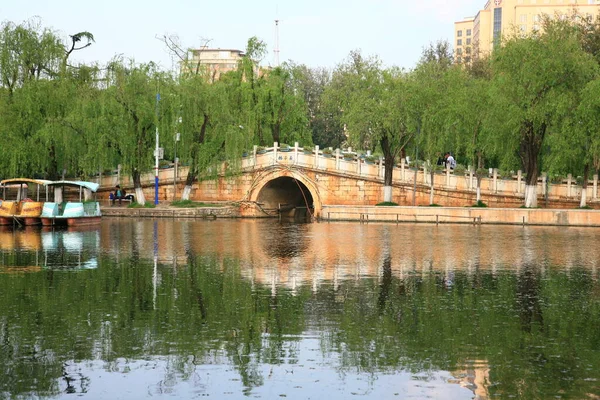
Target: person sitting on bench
pixel 119 194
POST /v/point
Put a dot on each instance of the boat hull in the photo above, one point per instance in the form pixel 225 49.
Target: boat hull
pixel 30 221
pixel 53 221
pixel 81 221
pixel 6 221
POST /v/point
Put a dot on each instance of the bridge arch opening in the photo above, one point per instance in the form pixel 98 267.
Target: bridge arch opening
pixel 288 197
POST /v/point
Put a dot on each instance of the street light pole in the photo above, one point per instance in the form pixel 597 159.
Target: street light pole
pixel 156 154
pixel 177 137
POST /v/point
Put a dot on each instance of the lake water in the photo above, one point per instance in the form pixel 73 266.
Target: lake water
pixel 228 309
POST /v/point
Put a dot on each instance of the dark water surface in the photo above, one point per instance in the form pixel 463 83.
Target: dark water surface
pixel 140 309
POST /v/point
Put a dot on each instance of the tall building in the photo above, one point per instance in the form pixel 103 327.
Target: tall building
pixel 476 36
pixel 212 62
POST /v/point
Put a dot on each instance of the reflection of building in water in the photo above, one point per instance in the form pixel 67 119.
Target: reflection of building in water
pixel 294 255
pixel 475 377
pixel 34 248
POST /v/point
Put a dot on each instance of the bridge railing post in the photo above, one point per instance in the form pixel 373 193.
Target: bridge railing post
pixel 275 147
pixel 295 152
pixel 316 163
pixel 337 159
pixel 495 180
pixel 402 169
pixel 254 150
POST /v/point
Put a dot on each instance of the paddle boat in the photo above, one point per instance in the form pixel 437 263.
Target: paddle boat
pixel 81 211
pixel 23 210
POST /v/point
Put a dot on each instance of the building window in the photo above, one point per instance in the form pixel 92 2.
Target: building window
pixel 497 25
pixel 459 59
pixel 459 42
pixel 536 27
pixel 523 18
pixel 523 28
pixel 467 60
pixel 468 50
pixel 468 41
pixel 459 33
pixel 459 51
pixel 468 32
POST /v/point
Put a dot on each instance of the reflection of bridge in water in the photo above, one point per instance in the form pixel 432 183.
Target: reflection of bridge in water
pixel 282 255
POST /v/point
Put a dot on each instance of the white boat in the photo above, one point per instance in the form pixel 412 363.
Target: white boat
pixel 82 211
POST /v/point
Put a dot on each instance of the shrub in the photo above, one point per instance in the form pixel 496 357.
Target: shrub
pixel 460 169
pixel 480 204
pixel 386 204
pixel 138 205
pixel 482 172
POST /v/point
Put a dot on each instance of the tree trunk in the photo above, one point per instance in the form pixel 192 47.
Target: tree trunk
pixel 192 175
pixel 431 188
pixel 137 185
pixel 586 173
pixel 531 144
pixel 388 163
pixel 52 172
pixel 189 182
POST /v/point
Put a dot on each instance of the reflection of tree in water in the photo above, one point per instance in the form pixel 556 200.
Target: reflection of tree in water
pixel 284 240
pixel 528 298
pixel 206 310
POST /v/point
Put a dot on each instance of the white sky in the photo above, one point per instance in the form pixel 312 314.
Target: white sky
pixel 312 32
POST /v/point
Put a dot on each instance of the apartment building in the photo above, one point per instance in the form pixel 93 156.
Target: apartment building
pixel 476 36
pixel 212 62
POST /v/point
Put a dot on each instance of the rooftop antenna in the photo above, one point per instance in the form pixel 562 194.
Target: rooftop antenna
pixel 276 51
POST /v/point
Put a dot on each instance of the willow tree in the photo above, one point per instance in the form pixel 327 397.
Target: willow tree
pixel 284 107
pixel 28 52
pixel 210 127
pixel 580 145
pixel 132 103
pixel 247 91
pixel 323 117
pixel 434 84
pixel 535 82
pixel 374 107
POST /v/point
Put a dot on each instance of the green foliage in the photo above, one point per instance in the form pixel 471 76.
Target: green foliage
pixel 460 169
pixel 138 205
pixel 193 204
pixel 387 204
pixel 533 104
pixel 479 204
pixel 536 82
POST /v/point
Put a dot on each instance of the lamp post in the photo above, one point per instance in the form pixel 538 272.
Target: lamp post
pixel 177 138
pixel 156 155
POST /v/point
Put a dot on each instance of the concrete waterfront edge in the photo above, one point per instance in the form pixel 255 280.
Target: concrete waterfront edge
pixel 464 215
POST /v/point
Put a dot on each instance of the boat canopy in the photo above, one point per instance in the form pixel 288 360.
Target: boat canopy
pixel 82 184
pixel 16 181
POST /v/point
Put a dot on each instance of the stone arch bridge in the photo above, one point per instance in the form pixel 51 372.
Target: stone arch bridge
pixel 296 181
